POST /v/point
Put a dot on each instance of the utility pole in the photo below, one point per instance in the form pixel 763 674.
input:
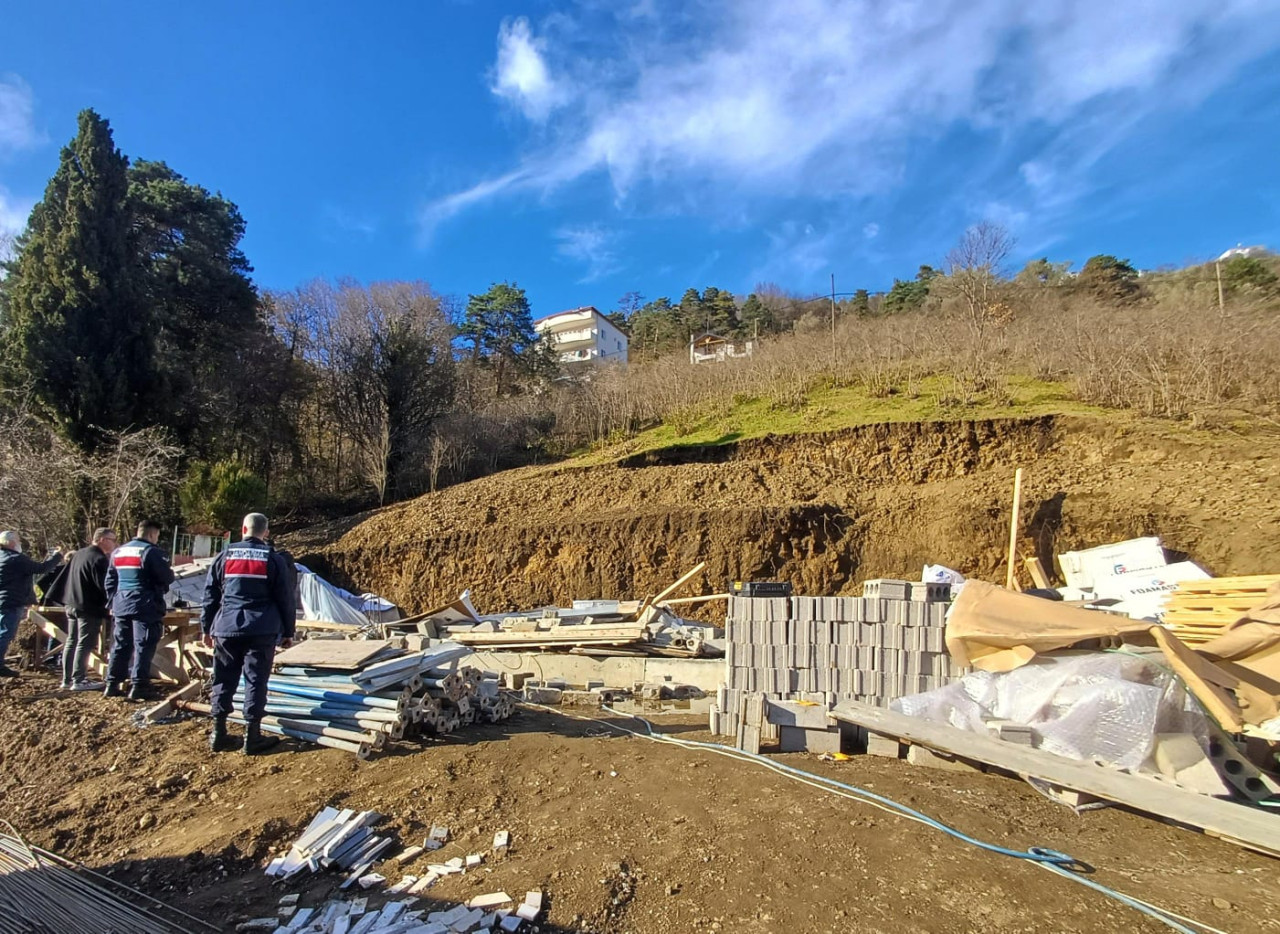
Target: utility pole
pixel 1222 305
pixel 833 319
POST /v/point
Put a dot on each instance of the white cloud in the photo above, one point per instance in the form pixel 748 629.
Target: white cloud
pixel 17 115
pixel 521 75
pixel 13 212
pixel 734 100
pixel 593 246
pixel 871 231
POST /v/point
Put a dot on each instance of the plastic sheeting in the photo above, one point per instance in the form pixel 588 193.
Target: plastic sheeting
pixel 322 601
pixel 1088 706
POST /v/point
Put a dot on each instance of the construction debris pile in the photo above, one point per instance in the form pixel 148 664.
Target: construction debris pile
pixel 588 627
pixel 346 840
pixel 823 650
pixel 357 695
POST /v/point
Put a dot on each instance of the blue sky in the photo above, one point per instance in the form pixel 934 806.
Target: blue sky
pixel 586 149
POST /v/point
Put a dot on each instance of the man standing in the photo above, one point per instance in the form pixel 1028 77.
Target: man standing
pixel 135 587
pixel 17 589
pixel 248 609
pixel 86 602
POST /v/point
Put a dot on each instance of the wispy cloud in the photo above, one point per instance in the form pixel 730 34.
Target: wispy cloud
pixel 337 220
pixel 13 212
pixel 17 115
pixel 756 99
pixel 521 75
pixel 591 245
pixel 871 231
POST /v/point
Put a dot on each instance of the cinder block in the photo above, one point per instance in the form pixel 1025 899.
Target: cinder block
pixel 797 739
pixel 930 592
pixel 886 588
pixel 803 716
pixel 919 755
pixel 886 746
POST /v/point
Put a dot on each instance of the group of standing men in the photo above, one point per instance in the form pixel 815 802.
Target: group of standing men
pixel 250 607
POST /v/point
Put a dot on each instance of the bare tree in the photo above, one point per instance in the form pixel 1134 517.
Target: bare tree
pixel 386 353
pixel 975 268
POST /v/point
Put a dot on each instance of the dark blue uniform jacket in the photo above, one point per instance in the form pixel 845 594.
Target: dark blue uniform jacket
pixel 248 593
pixel 137 580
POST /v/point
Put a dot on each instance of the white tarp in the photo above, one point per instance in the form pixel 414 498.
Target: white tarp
pixel 324 602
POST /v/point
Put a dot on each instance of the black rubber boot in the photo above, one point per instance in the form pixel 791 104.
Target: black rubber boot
pixel 113 690
pixel 255 742
pixel 139 691
pixel 219 739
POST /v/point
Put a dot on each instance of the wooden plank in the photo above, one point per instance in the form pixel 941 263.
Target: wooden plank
pixel 166 707
pixel 560 635
pixel 1228 584
pixel 1010 579
pixel 1199 676
pixel 1252 827
pixel 1036 570
pixel 327 626
pixel 689 601
pixel 684 579
pixel 343 654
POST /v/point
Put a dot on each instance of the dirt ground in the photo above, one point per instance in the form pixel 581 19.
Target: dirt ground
pixel 621 833
pixel 822 511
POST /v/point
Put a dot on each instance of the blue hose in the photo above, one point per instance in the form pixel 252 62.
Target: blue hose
pixel 1059 863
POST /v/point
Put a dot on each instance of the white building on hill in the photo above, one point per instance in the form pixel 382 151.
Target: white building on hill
pixel 583 335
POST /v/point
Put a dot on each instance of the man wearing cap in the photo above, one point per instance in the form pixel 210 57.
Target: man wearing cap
pixel 136 582
pixel 249 608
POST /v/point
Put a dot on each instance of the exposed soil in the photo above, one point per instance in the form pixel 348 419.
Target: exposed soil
pixel 623 834
pixel 823 511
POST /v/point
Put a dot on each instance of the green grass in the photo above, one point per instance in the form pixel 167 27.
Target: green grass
pixel 828 408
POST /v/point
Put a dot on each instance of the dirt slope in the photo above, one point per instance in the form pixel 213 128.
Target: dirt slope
pixel 624 835
pixel 823 511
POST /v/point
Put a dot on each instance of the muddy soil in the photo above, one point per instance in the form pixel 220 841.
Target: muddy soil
pixel 822 511
pixel 623 834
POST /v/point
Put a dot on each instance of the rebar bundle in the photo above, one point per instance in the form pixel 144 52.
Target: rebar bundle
pixel 42 893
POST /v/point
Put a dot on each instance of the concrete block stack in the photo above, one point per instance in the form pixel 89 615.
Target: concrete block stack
pixel 827 649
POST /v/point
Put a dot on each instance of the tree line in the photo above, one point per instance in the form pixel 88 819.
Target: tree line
pixel 143 368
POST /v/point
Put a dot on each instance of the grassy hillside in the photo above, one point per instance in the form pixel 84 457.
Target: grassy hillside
pixel 826 408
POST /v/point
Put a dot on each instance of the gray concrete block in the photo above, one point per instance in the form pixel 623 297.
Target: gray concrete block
pixel 886 746
pixel 919 755
pixel 797 739
pixel 803 716
pixel 886 588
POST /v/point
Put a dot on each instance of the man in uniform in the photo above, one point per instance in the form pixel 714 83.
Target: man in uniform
pixel 86 602
pixel 249 607
pixel 17 589
pixel 136 583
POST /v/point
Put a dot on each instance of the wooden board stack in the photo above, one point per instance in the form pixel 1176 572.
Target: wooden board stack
pixel 1198 611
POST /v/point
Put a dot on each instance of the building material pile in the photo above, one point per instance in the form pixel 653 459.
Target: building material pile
pixel 359 695
pixel 42 893
pixel 1201 610
pixel 588 627
pixel 334 839
pixel 827 649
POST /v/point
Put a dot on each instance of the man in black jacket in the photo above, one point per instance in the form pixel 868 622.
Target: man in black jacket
pixel 249 608
pixel 17 589
pixel 86 602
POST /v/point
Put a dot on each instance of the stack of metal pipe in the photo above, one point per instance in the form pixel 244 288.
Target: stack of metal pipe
pixel 418 693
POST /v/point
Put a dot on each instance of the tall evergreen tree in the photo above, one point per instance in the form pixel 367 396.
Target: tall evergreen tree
pixel 195 285
pixel 73 328
pixel 499 325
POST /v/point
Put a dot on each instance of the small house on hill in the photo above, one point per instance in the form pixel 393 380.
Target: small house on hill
pixel 712 348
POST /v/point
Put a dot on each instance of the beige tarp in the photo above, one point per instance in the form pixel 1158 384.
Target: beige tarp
pixel 998 630
pixel 1252 641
